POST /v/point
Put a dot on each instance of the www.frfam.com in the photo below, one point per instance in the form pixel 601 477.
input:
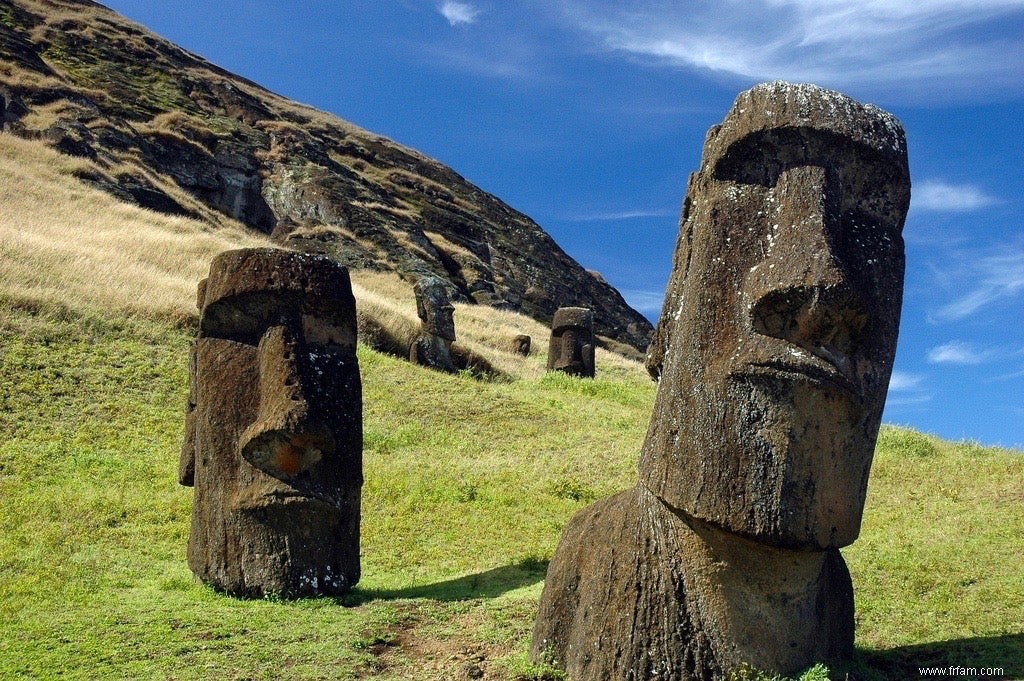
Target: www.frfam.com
pixel 953 670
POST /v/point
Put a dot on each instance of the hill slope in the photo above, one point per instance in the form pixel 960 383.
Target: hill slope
pixel 462 507
pixel 167 130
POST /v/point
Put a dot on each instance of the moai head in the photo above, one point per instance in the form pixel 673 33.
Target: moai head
pixel 571 348
pixel 777 337
pixel 432 347
pixel 273 441
pixel 435 308
pixel 521 344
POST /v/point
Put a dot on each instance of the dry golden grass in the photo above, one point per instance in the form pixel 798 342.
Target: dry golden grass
pixel 386 304
pixel 64 243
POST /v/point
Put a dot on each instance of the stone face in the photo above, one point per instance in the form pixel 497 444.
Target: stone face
pixel 774 351
pixel 521 344
pixel 273 441
pixel 432 347
pixel 571 348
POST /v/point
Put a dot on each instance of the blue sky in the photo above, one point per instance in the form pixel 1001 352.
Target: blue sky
pixel 588 116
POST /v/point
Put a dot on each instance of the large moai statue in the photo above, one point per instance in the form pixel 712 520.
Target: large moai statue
pixel 571 348
pixel 774 349
pixel 273 441
pixel 432 347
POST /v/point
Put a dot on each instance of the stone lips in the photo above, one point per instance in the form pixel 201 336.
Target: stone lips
pixel 273 442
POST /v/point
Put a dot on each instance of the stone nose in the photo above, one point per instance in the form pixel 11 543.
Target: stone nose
pixel 801 292
pixel 286 438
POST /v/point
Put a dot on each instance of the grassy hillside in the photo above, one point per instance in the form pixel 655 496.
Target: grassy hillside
pixel 460 513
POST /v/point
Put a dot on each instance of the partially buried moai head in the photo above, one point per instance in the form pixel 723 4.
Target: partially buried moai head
pixel 777 337
pixel 571 349
pixel 434 307
pixel 274 428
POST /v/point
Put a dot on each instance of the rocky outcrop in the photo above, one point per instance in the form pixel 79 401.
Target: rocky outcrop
pixel 774 349
pixel 170 131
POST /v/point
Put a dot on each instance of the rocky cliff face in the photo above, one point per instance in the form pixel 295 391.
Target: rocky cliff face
pixel 172 132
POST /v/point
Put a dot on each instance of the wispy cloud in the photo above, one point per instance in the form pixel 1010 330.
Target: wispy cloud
pixel 940 196
pixel 996 278
pixel 907 400
pixel 647 303
pixel 906 389
pixel 901 381
pixel 613 216
pixel 841 43
pixel 957 352
pixel 458 13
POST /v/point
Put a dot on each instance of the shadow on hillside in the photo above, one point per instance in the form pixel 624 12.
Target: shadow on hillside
pixel 1004 652
pixel 488 584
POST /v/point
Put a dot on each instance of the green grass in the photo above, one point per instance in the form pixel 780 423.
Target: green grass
pixel 468 484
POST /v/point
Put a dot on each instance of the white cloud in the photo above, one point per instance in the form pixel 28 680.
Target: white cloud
pixel 996 278
pixel 905 390
pixel 937 46
pixel 901 381
pixel 936 195
pixel 619 215
pixel 459 12
pixel 956 352
pixel 907 401
pixel 645 302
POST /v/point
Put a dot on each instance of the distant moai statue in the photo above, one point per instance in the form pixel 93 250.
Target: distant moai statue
pixel 273 436
pixel 571 349
pixel 775 347
pixel 432 347
pixel 521 344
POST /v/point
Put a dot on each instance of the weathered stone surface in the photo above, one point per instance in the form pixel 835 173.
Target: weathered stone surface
pixel 273 441
pixel 432 347
pixel 571 348
pixel 774 351
pixel 154 116
pixel 521 344
pixel 638 590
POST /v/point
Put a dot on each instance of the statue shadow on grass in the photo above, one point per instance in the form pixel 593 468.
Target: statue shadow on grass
pixel 487 584
pixel 1005 652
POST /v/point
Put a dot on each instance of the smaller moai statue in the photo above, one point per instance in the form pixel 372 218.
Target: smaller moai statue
pixel 521 344
pixel 571 349
pixel 432 347
pixel 273 429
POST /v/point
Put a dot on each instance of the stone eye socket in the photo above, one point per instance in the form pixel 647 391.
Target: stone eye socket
pixel 245 318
